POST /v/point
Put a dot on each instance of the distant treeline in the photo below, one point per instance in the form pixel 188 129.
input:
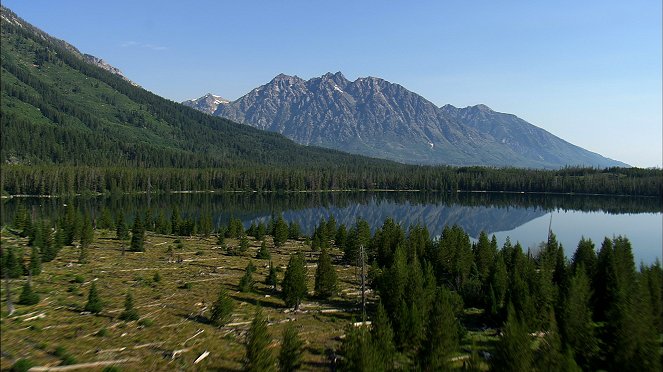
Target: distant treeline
pixel 63 180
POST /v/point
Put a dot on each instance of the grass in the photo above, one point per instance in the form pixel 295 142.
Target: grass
pixel 173 309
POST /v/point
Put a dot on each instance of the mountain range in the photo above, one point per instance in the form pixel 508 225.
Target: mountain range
pixel 371 116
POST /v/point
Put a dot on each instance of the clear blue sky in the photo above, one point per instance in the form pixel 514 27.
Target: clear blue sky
pixel 587 71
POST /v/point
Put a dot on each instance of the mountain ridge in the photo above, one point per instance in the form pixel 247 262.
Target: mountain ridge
pixel 374 117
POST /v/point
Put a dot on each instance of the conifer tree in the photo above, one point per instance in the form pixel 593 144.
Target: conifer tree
pixel 513 351
pixel 137 235
pixel 129 312
pixel 271 279
pixel 28 296
pixel 577 327
pixel 280 232
pixel 243 245
pixel 382 336
pixel 551 356
pixel 442 334
pixel 121 229
pixel 294 231
pixel 263 253
pixel 14 264
pixel 325 276
pixel 35 261
pixel 290 356
pixel 341 237
pixel 259 357
pixel 175 221
pixel 87 235
pixel 294 281
pixel 359 353
pixel 246 282
pixel 94 304
pixel 221 309
pixel 71 224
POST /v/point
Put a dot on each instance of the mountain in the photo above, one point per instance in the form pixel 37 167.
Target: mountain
pixel 59 106
pixel 207 103
pixel 373 117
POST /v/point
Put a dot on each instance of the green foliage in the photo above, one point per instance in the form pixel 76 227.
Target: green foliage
pixel 13 264
pixel 271 279
pixel 280 232
pixel 382 335
pixel 129 312
pixel 94 304
pixel 360 353
pixel 35 261
pixel 28 296
pixel 137 235
pixel 294 281
pixel 290 356
pixel 259 356
pixel 246 282
pixel 121 229
pixel 22 365
pixel 294 230
pixel 263 253
pixel 221 309
pixel 442 334
pixel 87 233
pixel 513 352
pixel 325 276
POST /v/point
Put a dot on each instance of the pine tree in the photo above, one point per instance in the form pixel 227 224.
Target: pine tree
pixel 221 309
pixel 246 282
pixel 259 357
pixel 129 312
pixel 175 221
pixel 35 262
pixel 263 253
pixel 280 232
pixel 94 304
pixel 14 264
pixel 325 276
pixel 359 353
pixel 382 336
pixel 294 281
pixel 513 351
pixel 290 356
pixel 442 334
pixel 550 356
pixel 121 230
pixel 71 224
pixel 577 327
pixel 271 279
pixel 243 245
pixel 28 296
pixel 294 231
pixel 137 236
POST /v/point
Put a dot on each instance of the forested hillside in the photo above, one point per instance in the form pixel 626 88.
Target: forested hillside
pixel 59 109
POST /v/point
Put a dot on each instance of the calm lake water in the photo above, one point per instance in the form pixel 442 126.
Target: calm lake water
pixel 522 218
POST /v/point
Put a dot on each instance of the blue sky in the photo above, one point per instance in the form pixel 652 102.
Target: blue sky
pixel 587 71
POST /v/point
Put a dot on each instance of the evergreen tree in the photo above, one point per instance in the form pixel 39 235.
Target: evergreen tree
pixel 205 228
pixel 137 236
pixel 341 237
pixel 325 276
pixel 35 262
pixel 263 253
pixel 94 304
pixel 28 296
pixel 359 353
pixel 106 220
pixel 271 279
pixel 71 224
pixel 259 357
pixel 290 356
pixel 442 335
pixel 246 282
pixel 14 264
pixel 513 351
pixel 221 309
pixel 280 232
pixel 121 230
pixel 294 231
pixel 87 235
pixel 550 355
pixel 294 281
pixel 129 312
pixel 175 221
pixel 382 336
pixel 584 256
pixel 577 327
pixel 243 245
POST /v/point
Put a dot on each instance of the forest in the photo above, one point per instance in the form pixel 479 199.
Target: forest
pixel 424 295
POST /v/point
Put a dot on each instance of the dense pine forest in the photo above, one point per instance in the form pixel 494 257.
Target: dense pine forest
pixel 424 295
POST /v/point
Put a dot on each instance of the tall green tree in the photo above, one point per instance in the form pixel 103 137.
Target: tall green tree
pixel 290 356
pixel 28 296
pixel 137 235
pixel 246 282
pixel 271 279
pixel 513 351
pixel 280 232
pixel 442 335
pixel 325 276
pixel 35 261
pixel 259 356
pixel 382 336
pixel 94 304
pixel 263 253
pixel 294 286
pixel 577 327
pixel 222 308
pixel 121 229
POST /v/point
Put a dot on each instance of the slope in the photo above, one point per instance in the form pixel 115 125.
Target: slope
pixel 57 108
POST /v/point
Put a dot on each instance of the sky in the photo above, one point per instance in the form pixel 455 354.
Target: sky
pixel 589 72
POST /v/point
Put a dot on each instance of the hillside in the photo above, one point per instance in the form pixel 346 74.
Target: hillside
pixel 373 117
pixel 60 106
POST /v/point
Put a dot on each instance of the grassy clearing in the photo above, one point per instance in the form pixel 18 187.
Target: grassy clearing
pixel 173 330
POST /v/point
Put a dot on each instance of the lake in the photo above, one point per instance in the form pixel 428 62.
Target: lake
pixel 521 217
